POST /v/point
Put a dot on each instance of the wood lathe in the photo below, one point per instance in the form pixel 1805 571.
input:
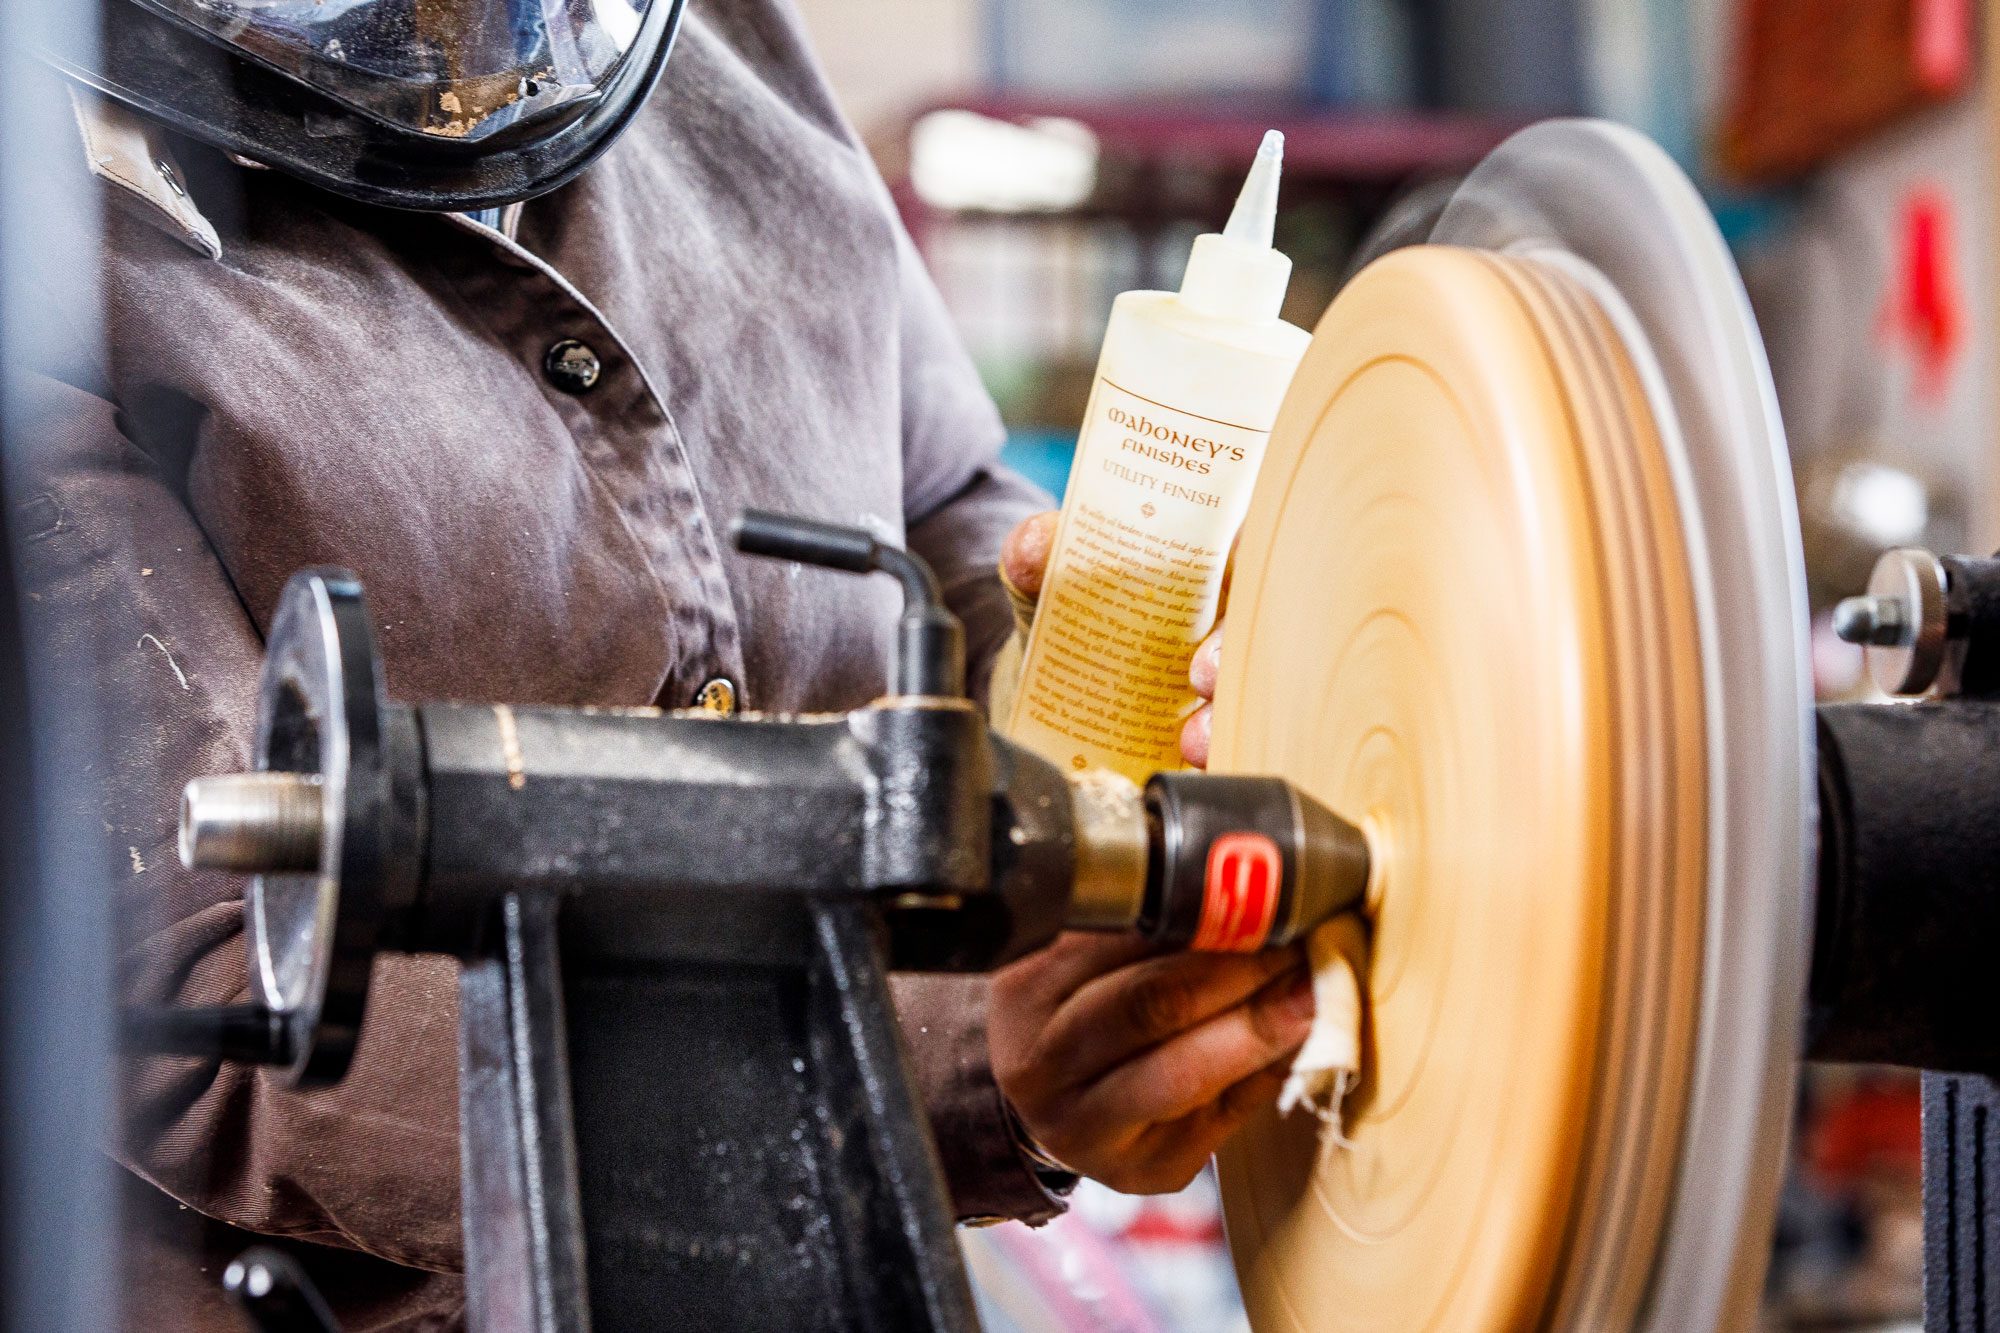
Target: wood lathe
pixel 1515 664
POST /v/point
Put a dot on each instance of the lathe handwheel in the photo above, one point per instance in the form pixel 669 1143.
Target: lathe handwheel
pixel 321 714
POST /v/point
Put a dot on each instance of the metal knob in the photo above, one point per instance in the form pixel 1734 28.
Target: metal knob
pixel 1902 620
pixel 1874 622
pixel 253 823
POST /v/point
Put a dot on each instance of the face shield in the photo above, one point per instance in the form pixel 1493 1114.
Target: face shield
pixel 432 104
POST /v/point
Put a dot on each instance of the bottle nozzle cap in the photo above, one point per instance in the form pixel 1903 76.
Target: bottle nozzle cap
pixel 1256 213
pixel 1236 274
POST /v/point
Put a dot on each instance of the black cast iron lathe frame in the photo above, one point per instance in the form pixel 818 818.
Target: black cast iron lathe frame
pixel 683 1094
pixel 1906 944
pixel 681 1087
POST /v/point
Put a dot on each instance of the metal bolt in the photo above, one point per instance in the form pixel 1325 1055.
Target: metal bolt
pixel 253 823
pixel 1878 622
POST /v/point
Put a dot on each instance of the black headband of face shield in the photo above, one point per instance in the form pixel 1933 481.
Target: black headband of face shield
pixel 194 85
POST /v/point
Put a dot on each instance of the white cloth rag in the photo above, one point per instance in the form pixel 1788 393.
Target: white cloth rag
pixel 1328 1065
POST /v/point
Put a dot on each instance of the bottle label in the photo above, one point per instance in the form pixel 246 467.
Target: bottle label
pixel 1134 582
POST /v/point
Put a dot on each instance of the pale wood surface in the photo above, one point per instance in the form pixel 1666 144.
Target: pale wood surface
pixel 1462 618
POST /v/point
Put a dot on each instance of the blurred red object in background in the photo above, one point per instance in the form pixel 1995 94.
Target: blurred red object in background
pixel 1811 80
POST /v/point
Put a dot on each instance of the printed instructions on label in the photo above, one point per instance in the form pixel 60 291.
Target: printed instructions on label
pixel 1144 541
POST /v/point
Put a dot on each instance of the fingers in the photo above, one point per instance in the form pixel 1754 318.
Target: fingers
pixel 1166 1157
pixel 1113 1018
pixel 1206 663
pixel 1203 669
pixel 1247 1098
pixel 1024 557
pixel 1038 984
pixel 1194 1069
pixel 1196 734
pixel 1098 1127
pixel 1133 1069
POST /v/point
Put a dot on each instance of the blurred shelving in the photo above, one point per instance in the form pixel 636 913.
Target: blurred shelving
pixel 1030 285
pixel 1347 146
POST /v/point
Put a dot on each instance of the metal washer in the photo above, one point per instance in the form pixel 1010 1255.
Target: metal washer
pixel 1915 579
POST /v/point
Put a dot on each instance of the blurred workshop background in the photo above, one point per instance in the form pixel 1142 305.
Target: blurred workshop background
pixel 1048 154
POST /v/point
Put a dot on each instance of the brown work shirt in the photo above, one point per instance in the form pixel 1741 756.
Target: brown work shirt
pixel 293 380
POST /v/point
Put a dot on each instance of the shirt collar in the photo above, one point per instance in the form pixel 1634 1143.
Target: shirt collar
pixel 132 156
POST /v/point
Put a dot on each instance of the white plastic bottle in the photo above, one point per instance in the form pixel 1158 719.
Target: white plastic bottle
pixel 1188 386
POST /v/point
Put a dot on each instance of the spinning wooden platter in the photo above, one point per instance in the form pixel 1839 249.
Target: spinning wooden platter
pixel 1476 610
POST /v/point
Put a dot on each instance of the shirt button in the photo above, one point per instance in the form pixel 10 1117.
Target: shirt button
pixel 717 697
pixel 571 366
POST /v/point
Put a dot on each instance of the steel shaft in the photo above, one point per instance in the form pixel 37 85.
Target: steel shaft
pixel 252 823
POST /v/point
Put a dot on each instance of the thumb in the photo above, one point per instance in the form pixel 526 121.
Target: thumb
pixel 1024 557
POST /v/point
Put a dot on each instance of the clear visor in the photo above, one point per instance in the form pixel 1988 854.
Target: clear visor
pixel 456 69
